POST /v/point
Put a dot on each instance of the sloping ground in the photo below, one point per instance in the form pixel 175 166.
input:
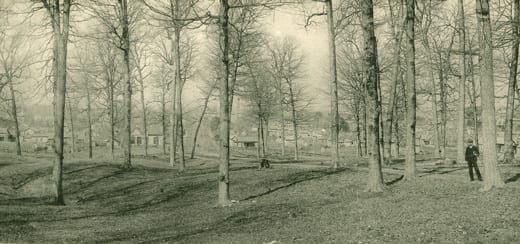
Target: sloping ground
pixel 106 203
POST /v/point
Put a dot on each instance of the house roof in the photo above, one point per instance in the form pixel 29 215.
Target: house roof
pixel 244 139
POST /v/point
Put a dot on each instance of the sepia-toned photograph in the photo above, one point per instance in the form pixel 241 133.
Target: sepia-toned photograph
pixel 259 121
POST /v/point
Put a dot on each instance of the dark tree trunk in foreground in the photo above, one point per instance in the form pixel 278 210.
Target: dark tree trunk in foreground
pixel 410 169
pixel 509 155
pixel 127 125
pixel 491 174
pixel 59 14
pixel 225 115
pixel 462 85
pixel 375 176
pixel 334 111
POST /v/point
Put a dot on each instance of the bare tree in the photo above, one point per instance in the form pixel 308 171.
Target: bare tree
pixel 410 169
pixel 508 135
pixel 462 84
pixel 375 175
pixel 59 14
pixel 14 61
pixel 491 174
pixel 286 61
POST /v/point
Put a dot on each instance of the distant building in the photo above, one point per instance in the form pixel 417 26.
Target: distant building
pixel 244 141
pixel 155 137
pixel 6 136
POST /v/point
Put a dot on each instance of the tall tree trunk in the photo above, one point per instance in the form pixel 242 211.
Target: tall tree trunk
pixel 14 113
pixel 375 175
pixel 163 115
pixel 396 73
pixel 410 169
pixel 509 155
pixel 491 174
pixel 334 111
pixel 282 122
pixel 365 131
pixel 462 85
pixel 110 87
pixel 435 123
pixel 173 120
pixel 357 111
pixel 143 107
pixel 89 120
pixel 127 125
pixel 262 136
pixel 258 140
pixel 442 90
pixel 223 176
pixel 199 122
pixel 73 137
pixel 294 121
pixel 180 129
pixel 473 98
pixel 60 21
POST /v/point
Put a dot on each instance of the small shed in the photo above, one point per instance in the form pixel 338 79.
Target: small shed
pixel 501 143
pixel 245 141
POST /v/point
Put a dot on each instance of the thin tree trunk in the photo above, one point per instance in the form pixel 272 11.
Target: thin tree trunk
pixel 163 115
pixel 491 174
pixel 473 98
pixel 359 151
pixel 262 137
pixel 333 86
pixel 73 137
pixel 199 122
pixel 282 123
pixel 396 72
pixel 509 155
pixel 110 87
pixel 223 176
pixel 173 124
pixel 89 121
pixel 375 175
pixel 410 168
pixel 127 125
pixel 443 106
pixel 435 123
pixel 14 113
pixel 365 131
pixel 258 140
pixel 180 129
pixel 462 85
pixel 143 107
pixel 294 121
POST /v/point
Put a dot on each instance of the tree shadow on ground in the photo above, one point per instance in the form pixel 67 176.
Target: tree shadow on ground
pixel 389 183
pixel 296 178
pixel 513 178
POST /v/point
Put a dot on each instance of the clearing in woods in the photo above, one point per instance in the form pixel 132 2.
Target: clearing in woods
pixel 304 202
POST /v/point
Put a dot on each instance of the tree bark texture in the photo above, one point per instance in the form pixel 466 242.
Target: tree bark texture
pixel 334 111
pixel 509 154
pixel 375 175
pixel 410 168
pixel 225 115
pixel 491 174
pixel 462 85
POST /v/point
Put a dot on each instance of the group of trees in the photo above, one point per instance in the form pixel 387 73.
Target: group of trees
pixel 376 86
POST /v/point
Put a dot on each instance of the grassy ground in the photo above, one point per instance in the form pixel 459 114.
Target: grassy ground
pixel 290 203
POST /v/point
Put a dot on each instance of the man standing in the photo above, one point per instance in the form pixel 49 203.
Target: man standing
pixel 471 157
